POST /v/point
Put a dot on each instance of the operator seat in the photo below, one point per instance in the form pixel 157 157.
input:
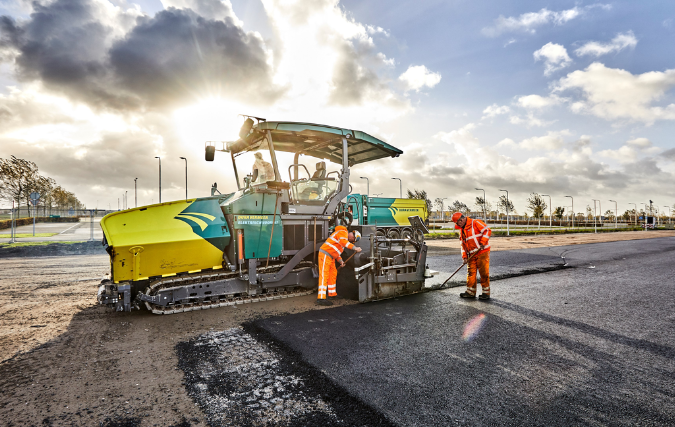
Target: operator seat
pixel 320 171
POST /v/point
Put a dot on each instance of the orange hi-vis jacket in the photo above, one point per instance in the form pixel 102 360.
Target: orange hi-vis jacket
pixel 474 234
pixel 337 242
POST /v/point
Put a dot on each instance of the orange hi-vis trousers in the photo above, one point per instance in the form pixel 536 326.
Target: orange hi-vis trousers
pixel 327 276
pixel 481 263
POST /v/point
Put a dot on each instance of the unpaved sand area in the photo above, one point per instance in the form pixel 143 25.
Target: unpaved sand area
pixel 66 361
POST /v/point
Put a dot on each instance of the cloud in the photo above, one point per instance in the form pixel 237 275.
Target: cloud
pixel 669 154
pixel 418 76
pixel 530 120
pixel 538 102
pixel 618 43
pixel 529 22
pixel 631 150
pixel 553 140
pixel 120 59
pixel 555 57
pixel 614 94
pixel 495 110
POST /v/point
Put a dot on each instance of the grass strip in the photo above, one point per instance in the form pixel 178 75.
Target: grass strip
pixel 9 236
pixel 24 244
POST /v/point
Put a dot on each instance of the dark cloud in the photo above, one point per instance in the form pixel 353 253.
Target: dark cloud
pixel 669 154
pixel 129 62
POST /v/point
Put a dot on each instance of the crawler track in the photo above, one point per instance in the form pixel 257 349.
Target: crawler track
pixel 193 304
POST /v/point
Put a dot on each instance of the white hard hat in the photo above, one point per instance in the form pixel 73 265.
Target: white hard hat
pixel 357 236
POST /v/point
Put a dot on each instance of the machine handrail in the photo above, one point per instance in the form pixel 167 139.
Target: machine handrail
pixel 290 177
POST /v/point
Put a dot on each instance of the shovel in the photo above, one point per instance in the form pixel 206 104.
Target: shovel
pixel 460 267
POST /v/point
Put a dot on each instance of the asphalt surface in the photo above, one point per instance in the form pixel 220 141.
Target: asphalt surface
pixel 65 231
pixel 590 343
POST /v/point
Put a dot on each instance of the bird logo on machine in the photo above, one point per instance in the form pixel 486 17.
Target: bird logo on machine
pixel 206 220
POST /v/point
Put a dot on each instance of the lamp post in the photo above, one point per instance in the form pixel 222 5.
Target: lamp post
pixel 616 213
pixel 135 193
pixel 635 212
pixel 595 216
pixel 507 212
pixel 367 185
pixel 442 211
pixel 160 179
pixel 185 177
pixel 126 199
pixel 600 207
pixel 484 214
pixel 669 218
pixel 550 216
pixel 572 210
pixel 400 187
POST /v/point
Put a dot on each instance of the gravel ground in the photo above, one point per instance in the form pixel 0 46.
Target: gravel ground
pixel 66 361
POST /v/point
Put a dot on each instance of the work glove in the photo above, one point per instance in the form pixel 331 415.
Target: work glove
pixel 357 249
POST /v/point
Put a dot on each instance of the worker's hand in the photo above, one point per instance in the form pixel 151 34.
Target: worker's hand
pixel 481 248
pixel 357 249
pixel 464 261
pixel 342 263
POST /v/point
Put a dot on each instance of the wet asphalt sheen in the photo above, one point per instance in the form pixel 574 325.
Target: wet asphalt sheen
pixel 592 343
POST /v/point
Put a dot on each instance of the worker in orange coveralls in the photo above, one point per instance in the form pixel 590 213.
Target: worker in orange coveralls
pixel 329 253
pixel 474 237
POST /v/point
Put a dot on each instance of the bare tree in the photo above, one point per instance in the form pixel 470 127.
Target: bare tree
pixel 559 212
pixel 458 206
pixel 17 178
pixel 537 205
pixel 505 205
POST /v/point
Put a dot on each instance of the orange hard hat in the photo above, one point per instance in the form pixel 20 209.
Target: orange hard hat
pixel 456 216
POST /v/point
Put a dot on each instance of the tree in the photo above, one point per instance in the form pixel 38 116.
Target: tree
pixel 503 204
pixel 559 212
pixel 420 195
pixel 458 206
pixel 609 215
pixel 17 178
pixel 589 212
pixel 537 205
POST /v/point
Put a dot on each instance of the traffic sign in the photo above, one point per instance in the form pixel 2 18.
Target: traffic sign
pixel 34 196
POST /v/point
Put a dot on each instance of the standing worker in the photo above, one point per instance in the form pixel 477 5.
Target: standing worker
pixel 474 239
pixel 329 253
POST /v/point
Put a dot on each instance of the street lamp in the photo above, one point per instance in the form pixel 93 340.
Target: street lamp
pixel 550 216
pixel 367 185
pixel 135 192
pixel 185 177
pixel 484 214
pixel 595 216
pixel 442 210
pixel 635 212
pixel 507 212
pixel 572 210
pixel 160 179
pixel 616 213
pixel 400 187
pixel 126 198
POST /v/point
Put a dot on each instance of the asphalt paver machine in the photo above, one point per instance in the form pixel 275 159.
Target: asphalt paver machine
pixel 259 242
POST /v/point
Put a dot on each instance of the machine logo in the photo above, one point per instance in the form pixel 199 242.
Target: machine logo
pixel 395 210
pixel 205 219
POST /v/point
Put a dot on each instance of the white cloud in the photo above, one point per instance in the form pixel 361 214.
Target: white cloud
pixel 538 102
pixel 631 150
pixel 613 94
pixel 530 120
pixel 528 22
pixel 555 57
pixel 418 76
pixel 495 110
pixel 618 43
pixel 553 140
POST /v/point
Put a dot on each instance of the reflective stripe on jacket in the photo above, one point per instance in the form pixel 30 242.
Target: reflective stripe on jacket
pixel 474 234
pixel 337 242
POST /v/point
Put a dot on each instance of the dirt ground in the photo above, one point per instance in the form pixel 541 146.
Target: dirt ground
pixel 66 361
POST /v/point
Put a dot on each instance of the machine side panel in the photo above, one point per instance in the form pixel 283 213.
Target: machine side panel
pixel 166 239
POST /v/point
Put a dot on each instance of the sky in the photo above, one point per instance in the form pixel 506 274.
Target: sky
pixel 564 98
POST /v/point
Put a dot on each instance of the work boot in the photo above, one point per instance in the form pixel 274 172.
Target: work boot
pixel 484 296
pixel 323 302
pixel 466 295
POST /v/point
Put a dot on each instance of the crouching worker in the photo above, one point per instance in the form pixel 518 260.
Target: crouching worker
pixel 474 237
pixel 330 253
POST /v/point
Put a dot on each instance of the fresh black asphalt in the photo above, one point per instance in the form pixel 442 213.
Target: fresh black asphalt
pixel 590 343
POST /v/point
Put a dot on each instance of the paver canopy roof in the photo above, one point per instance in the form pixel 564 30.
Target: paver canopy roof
pixel 320 141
